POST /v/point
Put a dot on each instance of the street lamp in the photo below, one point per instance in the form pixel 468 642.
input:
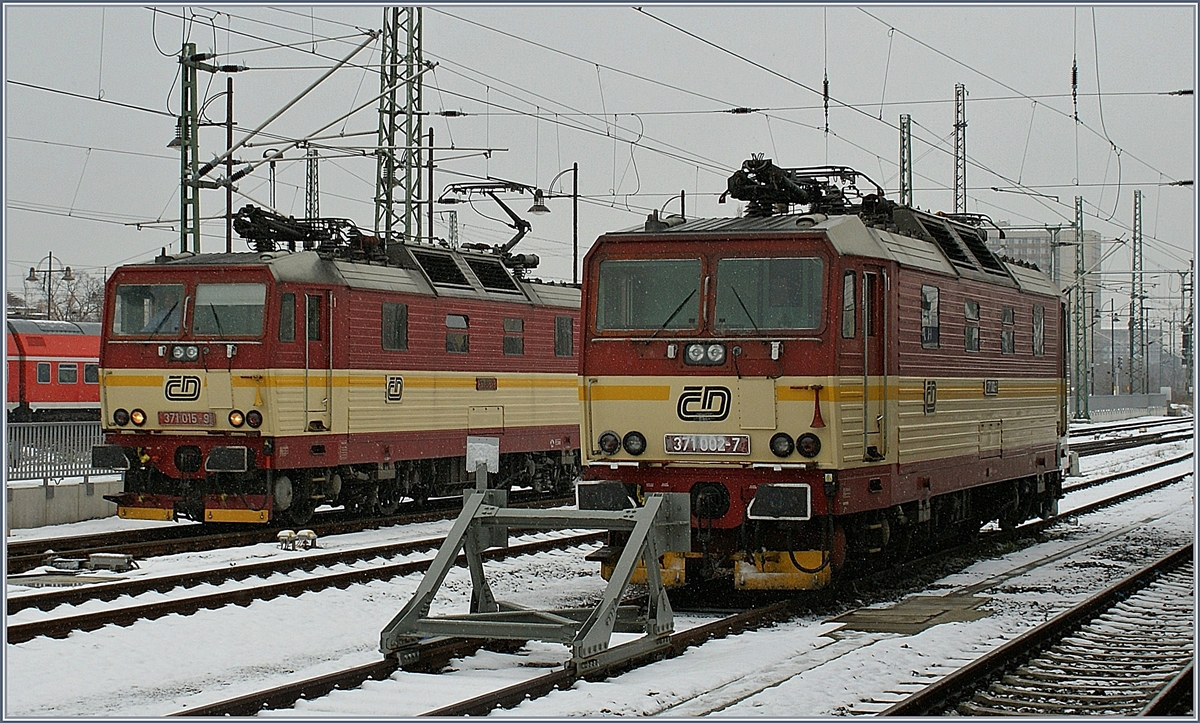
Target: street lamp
pixel 539 207
pixel 47 280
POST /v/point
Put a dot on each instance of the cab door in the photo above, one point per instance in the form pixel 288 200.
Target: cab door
pixel 318 361
pixel 875 350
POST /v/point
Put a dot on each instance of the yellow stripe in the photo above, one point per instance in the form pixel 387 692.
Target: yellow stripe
pixel 114 380
pixel 615 393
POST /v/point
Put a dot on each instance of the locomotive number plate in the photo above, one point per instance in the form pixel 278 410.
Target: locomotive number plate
pixel 706 443
pixel 187 419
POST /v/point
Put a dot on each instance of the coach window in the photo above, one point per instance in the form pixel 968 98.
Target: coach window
pixel 226 310
pixel 91 373
pixel 457 342
pixel 650 294
pixel 564 336
pixel 1039 331
pixel 395 326
pixel 43 372
pixel 514 345
pixel 68 373
pixel 287 317
pixel 930 332
pixel 849 305
pixel 971 330
pixel 770 293
pixel 1006 333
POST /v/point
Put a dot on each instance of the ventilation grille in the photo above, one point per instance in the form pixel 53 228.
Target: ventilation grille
pixel 441 269
pixel 945 239
pixel 492 275
pixel 982 253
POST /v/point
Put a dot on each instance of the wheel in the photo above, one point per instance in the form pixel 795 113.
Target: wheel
pixel 389 496
pixel 300 511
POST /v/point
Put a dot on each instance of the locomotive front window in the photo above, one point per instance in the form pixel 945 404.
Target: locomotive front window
pixel 649 294
pixel 229 309
pixel 154 309
pixel 774 293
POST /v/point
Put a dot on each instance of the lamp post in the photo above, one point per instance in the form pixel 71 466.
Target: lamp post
pixel 539 207
pixel 47 279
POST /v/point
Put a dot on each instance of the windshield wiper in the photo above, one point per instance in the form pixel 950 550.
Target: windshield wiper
pixel 163 320
pixel 741 303
pixel 673 313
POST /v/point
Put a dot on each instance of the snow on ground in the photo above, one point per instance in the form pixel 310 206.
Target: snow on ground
pixel 806 667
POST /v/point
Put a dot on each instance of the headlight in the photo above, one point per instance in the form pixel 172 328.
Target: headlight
pixel 185 352
pixel 177 353
pixel 782 445
pixel 634 443
pixel 121 417
pixel 193 353
pixel 609 442
pixel 138 417
pixel 809 445
pixel 236 418
pixel 254 418
pixel 706 354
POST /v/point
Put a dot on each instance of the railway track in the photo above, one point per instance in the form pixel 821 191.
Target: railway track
pixel 1112 444
pixel 1096 429
pixel 153 542
pixel 62 626
pixel 508 697
pixel 1127 650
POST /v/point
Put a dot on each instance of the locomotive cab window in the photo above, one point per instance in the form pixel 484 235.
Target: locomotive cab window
pixel 849 305
pixel 971 330
pixel 68 373
pixel 649 294
pixel 43 372
pixel 1007 345
pixel 287 317
pixel 395 326
pixel 155 309
pixel 768 293
pixel 226 310
pixel 930 330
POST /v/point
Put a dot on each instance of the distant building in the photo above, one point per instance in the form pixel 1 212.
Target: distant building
pixel 1050 248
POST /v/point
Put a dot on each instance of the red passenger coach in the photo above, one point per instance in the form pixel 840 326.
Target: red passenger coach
pixel 833 379
pixel 248 386
pixel 53 371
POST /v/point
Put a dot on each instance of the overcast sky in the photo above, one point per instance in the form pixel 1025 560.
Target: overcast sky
pixel 640 98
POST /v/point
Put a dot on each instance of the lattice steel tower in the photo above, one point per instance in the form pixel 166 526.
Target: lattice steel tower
pixel 1139 381
pixel 960 148
pixel 906 194
pixel 400 152
pixel 312 185
pixel 1079 308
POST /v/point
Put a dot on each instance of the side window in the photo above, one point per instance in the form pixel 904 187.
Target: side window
pixel 971 329
pixel 514 345
pixel 287 317
pixel 1039 331
pixel 870 303
pixel 930 332
pixel 43 372
pixel 314 317
pixel 395 327
pixel 68 373
pixel 849 305
pixel 91 373
pixel 457 342
pixel 564 336
pixel 1006 333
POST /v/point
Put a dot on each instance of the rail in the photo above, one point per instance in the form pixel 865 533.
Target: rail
pixel 52 450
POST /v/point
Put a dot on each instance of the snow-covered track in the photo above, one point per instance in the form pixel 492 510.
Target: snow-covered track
pixel 1127 650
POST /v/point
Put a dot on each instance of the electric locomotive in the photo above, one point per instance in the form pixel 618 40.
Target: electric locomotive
pixel 255 386
pixel 833 379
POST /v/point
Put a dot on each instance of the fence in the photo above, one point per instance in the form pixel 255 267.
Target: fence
pixel 52 450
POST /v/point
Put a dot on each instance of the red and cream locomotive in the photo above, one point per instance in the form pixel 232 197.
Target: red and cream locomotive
pixel 829 387
pixel 249 386
pixel 53 371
